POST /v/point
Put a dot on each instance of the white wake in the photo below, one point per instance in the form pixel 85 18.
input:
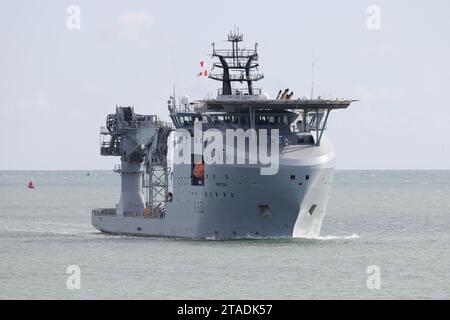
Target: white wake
pixel 331 237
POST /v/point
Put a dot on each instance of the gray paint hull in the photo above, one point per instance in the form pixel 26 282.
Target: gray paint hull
pixel 237 202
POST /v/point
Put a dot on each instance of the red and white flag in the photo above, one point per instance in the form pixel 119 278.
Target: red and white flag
pixel 203 72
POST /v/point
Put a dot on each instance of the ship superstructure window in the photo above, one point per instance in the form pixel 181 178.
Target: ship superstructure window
pixel 185 120
pixel 292 177
pixel 267 119
pixel 305 139
pixel 307 177
pixel 219 119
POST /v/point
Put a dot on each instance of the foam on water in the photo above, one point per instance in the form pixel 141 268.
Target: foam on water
pixel 331 237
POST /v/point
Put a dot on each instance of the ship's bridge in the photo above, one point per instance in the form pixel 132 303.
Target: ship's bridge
pixel 275 114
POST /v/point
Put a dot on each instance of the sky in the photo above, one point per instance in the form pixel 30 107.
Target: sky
pixel 58 82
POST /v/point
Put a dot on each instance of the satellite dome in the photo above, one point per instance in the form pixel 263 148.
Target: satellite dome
pixel 185 100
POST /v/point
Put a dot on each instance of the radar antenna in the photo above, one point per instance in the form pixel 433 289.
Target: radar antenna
pixel 238 66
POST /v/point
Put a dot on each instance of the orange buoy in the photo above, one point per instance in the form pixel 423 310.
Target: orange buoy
pixel 199 171
pixel 30 185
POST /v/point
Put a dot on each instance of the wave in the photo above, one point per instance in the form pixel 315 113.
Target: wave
pixel 331 237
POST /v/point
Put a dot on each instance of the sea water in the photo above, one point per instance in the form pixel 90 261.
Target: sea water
pixel 386 235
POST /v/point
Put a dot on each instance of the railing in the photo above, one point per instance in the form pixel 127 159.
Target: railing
pixel 104 212
pixel 136 124
pixel 243 91
pixel 238 77
pixel 104 130
pixel 166 124
pixel 240 53
pixel 236 65
pixel 107 149
pixel 133 124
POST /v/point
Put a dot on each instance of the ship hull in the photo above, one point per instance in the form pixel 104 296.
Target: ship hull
pixel 237 202
pixel 264 212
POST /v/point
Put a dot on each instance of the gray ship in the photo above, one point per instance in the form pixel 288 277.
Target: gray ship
pixel 226 197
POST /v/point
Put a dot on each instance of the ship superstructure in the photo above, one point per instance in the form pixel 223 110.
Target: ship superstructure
pixel 229 197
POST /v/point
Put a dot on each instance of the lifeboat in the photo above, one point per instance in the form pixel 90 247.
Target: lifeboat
pixel 199 171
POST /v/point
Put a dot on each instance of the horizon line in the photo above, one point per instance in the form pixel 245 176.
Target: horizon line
pixel 84 170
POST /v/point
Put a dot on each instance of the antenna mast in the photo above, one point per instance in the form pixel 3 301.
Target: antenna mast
pixel 174 103
pixel 312 80
pixel 238 66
